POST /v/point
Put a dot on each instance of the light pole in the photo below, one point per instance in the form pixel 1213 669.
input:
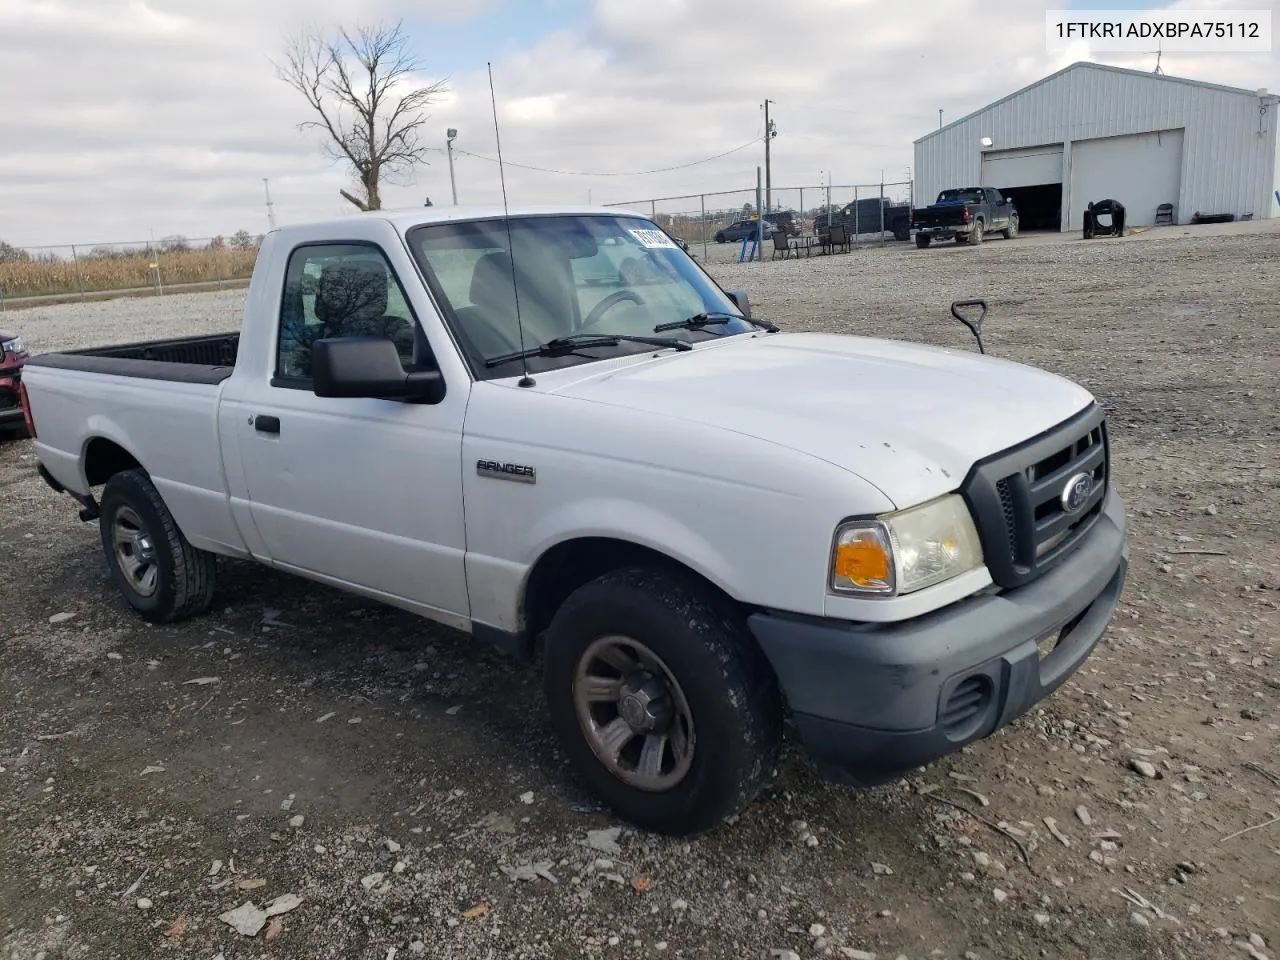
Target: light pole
pixel 450 135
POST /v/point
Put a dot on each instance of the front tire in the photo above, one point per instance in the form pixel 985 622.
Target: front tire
pixel 666 707
pixel 1011 231
pixel 162 576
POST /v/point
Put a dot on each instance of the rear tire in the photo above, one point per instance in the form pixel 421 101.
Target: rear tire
pixel 666 707
pixel 976 237
pixel 1011 231
pixel 163 577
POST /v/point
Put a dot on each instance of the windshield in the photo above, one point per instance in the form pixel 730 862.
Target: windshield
pixel 588 274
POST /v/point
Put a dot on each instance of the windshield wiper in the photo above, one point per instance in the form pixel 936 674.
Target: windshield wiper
pixel 710 319
pixel 563 345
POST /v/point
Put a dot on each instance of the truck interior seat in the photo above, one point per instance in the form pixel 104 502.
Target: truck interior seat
pixel 490 320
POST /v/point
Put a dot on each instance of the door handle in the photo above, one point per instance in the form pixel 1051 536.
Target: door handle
pixel 265 424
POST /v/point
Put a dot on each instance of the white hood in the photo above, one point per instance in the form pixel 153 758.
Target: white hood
pixel 909 419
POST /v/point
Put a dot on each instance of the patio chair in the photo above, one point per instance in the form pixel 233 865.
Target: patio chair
pixel 781 244
pixel 838 238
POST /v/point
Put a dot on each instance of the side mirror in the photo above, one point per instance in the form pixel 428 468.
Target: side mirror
pixel 369 367
pixel 740 300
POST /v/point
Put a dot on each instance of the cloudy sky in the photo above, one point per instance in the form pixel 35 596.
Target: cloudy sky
pixel 123 119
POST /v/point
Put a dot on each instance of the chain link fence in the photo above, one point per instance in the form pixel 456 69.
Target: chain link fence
pixel 46 274
pixel 713 223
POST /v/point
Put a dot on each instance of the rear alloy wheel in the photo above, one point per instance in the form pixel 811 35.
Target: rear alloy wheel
pixel 162 576
pixel 1011 231
pixel 976 237
pixel 666 707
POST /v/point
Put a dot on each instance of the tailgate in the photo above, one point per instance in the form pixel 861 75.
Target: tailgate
pixel 942 215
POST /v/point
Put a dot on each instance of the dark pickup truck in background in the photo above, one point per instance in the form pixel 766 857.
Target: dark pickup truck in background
pixel 968 214
pixel 863 216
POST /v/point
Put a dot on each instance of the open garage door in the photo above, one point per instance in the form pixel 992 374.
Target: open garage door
pixel 1032 178
pixel 1141 170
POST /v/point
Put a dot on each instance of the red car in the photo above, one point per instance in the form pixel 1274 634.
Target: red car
pixel 14 418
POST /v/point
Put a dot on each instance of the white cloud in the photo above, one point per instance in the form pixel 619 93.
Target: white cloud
pixel 118 117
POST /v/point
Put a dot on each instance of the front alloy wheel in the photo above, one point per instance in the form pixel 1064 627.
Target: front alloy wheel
pixel 633 713
pixel 667 709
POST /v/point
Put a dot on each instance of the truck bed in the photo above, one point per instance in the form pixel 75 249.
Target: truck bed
pixel 208 358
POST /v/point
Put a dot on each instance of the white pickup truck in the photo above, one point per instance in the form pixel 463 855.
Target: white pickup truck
pixel 554 431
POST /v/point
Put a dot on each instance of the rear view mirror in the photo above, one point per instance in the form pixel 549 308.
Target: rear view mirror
pixel 369 367
pixel 740 300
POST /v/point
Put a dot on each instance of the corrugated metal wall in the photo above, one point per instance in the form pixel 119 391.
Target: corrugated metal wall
pixel 1227 166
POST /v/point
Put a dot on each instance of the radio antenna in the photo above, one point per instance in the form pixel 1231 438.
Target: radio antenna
pixel 525 380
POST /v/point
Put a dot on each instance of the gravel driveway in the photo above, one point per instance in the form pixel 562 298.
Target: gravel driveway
pixel 392 790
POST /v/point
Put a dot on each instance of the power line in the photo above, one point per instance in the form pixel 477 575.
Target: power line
pixel 635 173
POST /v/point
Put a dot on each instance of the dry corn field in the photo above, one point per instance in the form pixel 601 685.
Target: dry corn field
pixel 123 271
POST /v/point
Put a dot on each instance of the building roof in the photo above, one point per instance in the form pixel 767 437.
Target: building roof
pixel 1089 65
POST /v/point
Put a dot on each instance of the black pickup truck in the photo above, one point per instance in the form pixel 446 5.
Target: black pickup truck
pixel 863 216
pixel 968 214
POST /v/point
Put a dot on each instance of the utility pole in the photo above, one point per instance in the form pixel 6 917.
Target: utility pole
pixel 769 134
pixel 450 135
pixel 271 215
pixel 939 118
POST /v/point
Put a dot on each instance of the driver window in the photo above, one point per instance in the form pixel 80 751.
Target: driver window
pixel 340 290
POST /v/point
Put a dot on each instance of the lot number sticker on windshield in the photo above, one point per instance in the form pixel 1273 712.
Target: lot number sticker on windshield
pixel 653 239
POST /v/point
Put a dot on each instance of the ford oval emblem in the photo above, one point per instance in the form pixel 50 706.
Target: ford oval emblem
pixel 1076 493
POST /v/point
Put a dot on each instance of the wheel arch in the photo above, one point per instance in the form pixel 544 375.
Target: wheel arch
pixel 102 458
pixel 569 564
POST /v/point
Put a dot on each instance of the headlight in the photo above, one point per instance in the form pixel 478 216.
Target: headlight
pixel 906 551
pixel 14 346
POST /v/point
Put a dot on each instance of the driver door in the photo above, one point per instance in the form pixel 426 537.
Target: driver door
pixel 360 492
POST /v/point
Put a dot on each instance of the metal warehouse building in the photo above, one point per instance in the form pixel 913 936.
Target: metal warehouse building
pixel 1092 132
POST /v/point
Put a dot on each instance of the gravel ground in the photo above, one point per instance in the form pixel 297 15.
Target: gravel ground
pixel 300 743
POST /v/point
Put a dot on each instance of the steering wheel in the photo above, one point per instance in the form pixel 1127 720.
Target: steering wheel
pixel 612 300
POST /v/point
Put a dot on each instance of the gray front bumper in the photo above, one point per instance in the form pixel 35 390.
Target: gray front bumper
pixel 871 701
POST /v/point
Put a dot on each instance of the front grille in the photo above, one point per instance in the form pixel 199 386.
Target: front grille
pixel 1018 497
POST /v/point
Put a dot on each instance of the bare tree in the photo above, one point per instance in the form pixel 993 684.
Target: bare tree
pixel 370 104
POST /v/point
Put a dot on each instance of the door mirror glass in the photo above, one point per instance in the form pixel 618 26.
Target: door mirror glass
pixel 370 367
